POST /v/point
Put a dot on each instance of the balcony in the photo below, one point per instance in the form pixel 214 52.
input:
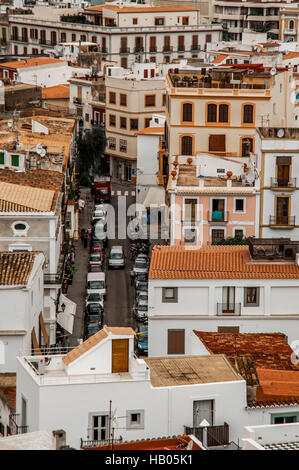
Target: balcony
pixel 124 50
pixel 215 435
pixel 14 427
pixel 104 50
pixel 283 221
pixel 195 47
pixel 153 49
pixel 138 49
pixel 217 216
pixel 181 48
pixel 167 49
pixel 229 309
pixel 77 101
pixel 290 31
pixel 96 443
pixel 24 39
pixel 283 183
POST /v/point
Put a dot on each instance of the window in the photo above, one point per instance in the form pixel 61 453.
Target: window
pixel 123 99
pixel 291 24
pixel 251 296
pixel 217 113
pixel 169 294
pixel 73 38
pixel 2 158
pixel 190 209
pixel 185 20
pixel 86 117
pixel 99 427
pixel 248 114
pixel 94 39
pixel 123 122
pixel 135 419
pixel 83 38
pixel 164 99
pixel 123 145
pixel 112 97
pixel 134 124
pixel 229 329
pixel 175 341
pixel 187 112
pixel 20 228
pixel 238 233
pixel 159 21
pixel 203 409
pixel 285 418
pixel 112 120
pixel 135 20
pixel 63 37
pixel 217 143
pixel 217 235
pixel 187 145
pixel 15 160
pixel 112 143
pixel 239 205
pixel 190 235
pixel 150 100
pixel 247 146
pixel 147 122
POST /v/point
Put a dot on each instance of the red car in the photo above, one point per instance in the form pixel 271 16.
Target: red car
pixel 98 250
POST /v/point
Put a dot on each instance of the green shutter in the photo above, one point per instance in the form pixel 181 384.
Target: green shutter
pixel 2 161
pixel 15 160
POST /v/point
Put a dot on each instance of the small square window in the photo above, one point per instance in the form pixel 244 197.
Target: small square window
pixel 147 122
pixel 150 100
pixel 169 294
pixel 251 297
pixel 134 124
pixel 135 20
pixel 239 205
pixel 135 419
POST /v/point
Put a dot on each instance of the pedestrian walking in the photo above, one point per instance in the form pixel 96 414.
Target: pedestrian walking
pixel 85 239
pixel 82 234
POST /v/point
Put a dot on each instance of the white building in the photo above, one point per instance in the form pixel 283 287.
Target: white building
pixel 212 288
pixel 104 368
pixel 271 437
pixel 148 147
pixel 22 325
pixel 278 148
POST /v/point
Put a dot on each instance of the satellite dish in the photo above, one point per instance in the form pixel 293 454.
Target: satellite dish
pixel 39 148
pixel 10 123
pixel 280 133
pixel 273 71
pixel 250 178
pixel 43 152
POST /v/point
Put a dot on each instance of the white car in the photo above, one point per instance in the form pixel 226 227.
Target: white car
pixel 96 283
pixel 116 257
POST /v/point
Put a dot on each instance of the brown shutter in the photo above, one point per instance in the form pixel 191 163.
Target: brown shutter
pixel 120 355
pixel 248 114
pixel 217 143
pixel 223 113
pixel 283 160
pixel 123 43
pixel 187 112
pixel 212 113
pixel 194 40
pixel 187 145
pixel 228 329
pixel 176 342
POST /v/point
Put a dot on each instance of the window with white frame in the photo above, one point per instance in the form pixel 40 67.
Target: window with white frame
pixel 98 426
pixel 239 232
pixel 239 205
pixel 169 294
pixel 190 235
pixel 20 228
pixel 135 419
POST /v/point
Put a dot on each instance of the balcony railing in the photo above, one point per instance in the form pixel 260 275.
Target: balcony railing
pixel 96 443
pixel 217 216
pixel 282 221
pixel 167 48
pixel 14 427
pixel 289 183
pixel 181 48
pixel 124 50
pixel 233 309
pixel 104 50
pixel 153 49
pixel 216 435
pixel 138 49
pixel 52 278
pixel 195 47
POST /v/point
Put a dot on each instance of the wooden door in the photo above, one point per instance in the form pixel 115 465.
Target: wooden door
pixel 283 173
pixel 166 43
pixel 190 210
pixel 181 43
pixel 217 143
pixel 123 44
pixel 79 93
pixel 152 43
pixel 120 355
pixel 282 210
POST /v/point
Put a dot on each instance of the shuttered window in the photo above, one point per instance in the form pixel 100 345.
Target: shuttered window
pixel 176 342
pixel 1 158
pixel 217 143
pixel 248 114
pixel 187 112
pixel 186 145
pixel 150 100
pixel 15 160
pixel 223 113
pixel 212 113
pixel 123 99
pixel 120 355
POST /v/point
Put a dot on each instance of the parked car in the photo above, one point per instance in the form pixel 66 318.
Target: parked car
pixel 142 295
pixel 116 257
pixel 140 266
pixel 96 283
pixel 94 308
pixel 98 250
pixel 141 287
pixel 141 277
pixel 95 297
pixel 100 231
pixel 92 329
pixel 95 268
pixel 141 310
pixel 141 345
pixel 95 258
pixel 100 213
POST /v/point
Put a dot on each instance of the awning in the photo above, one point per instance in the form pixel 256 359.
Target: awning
pixel 155 197
pixel 67 313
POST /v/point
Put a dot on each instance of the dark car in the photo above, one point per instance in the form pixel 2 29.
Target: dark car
pixel 95 268
pixel 91 330
pixel 94 309
pixel 142 341
pixel 141 277
pixel 98 250
pixel 140 286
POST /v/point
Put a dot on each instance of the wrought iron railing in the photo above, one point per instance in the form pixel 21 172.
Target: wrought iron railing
pixel 86 444
pixel 217 216
pixel 229 308
pixel 279 220
pixel 283 182
pixel 216 435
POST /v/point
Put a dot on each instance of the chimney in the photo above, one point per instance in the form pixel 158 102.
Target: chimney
pixel 59 438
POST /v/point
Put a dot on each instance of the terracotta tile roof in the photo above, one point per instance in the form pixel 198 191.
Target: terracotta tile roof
pixel 95 339
pixel 15 267
pixel 8 395
pixel 44 179
pixel 277 385
pixel 167 443
pixel 210 262
pixel 187 370
pixel 220 58
pixel 56 92
pixel 37 62
pixel 291 55
pixel 25 198
pixel 8 379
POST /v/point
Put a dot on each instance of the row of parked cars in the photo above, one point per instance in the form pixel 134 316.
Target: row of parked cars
pixel 96 278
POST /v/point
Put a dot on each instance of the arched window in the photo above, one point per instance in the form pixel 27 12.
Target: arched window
pixel 223 113
pixel 248 114
pixel 247 146
pixel 186 145
pixel 212 113
pixel 291 24
pixel 187 112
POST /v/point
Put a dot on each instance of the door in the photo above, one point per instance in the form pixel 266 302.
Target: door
pixel 228 300
pixel 79 94
pixel 166 43
pixel 202 409
pixel 190 210
pixel 139 44
pixel 103 44
pixel 283 174
pixel 282 210
pixel 217 143
pixel 120 355
pixel 194 42
pixel 218 210
pixel 181 46
pixel 123 44
pixel 153 44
